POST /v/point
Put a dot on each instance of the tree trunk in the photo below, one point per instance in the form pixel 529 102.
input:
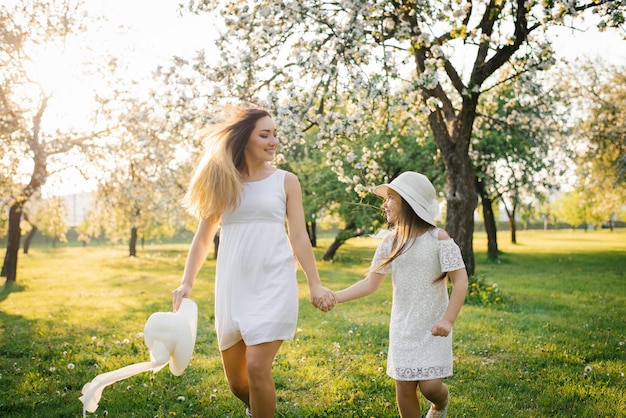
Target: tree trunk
pixel 311 229
pixel 350 231
pixel 462 200
pixel 490 222
pixel 452 133
pixel 216 244
pixel 29 237
pixel 512 226
pixel 9 268
pixel 38 177
pixel 132 245
pixel 332 249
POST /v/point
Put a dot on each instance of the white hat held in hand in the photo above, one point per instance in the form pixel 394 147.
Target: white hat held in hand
pixel 169 336
pixel 417 191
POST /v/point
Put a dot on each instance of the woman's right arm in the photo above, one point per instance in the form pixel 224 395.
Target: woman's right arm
pixel 200 246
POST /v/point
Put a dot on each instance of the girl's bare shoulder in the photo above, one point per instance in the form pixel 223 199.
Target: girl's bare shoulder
pixel 442 235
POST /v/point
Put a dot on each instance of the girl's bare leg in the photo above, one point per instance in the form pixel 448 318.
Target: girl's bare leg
pixel 407 399
pixel 435 391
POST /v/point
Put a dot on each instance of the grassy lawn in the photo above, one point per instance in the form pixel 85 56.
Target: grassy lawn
pixel 555 347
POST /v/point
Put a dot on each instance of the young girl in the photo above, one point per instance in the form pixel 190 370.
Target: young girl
pixel 256 292
pixel 419 256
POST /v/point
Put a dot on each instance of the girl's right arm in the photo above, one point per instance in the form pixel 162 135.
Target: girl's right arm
pixel 367 286
pixel 198 252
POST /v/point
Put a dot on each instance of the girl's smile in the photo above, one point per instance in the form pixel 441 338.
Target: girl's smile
pixel 392 205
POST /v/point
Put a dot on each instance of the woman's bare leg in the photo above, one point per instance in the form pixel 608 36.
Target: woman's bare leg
pixel 260 359
pixel 235 368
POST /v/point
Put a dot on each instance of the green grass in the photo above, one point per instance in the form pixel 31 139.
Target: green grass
pixel 556 347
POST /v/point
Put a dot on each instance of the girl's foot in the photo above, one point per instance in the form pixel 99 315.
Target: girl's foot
pixel 438 413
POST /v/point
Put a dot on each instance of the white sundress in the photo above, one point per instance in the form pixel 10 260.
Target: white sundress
pixel 256 290
pixel 419 300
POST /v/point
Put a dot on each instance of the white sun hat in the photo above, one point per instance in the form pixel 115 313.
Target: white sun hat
pixel 169 336
pixel 417 191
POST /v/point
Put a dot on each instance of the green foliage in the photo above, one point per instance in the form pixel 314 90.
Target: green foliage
pixel 337 181
pixel 603 124
pixel 556 349
pixel 576 208
pixel 89 228
pixel 481 293
pixel 601 163
pixel 50 218
pixel 516 139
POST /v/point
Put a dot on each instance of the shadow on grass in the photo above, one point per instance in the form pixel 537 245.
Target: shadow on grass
pixel 8 288
pixel 30 367
pixel 44 363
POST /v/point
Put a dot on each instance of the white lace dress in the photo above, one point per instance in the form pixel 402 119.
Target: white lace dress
pixel 419 300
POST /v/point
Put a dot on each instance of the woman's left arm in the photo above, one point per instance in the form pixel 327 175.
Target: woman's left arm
pixel 301 245
pixel 459 290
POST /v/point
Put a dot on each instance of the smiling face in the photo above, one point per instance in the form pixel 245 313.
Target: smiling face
pixel 263 142
pixel 392 206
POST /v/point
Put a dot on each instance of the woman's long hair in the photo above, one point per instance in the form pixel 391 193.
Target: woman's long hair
pixel 216 182
pixel 406 229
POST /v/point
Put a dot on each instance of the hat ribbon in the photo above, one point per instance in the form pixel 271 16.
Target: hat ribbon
pixel 92 391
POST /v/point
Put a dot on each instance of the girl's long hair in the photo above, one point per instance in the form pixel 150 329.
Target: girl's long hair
pixel 216 182
pixel 406 229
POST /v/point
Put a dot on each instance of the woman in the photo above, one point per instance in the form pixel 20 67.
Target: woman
pixel 256 292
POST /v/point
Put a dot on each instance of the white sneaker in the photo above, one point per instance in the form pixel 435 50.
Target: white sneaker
pixel 435 413
pixel 248 413
pixel 438 413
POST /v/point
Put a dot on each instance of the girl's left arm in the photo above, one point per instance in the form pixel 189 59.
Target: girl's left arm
pixel 320 296
pixel 459 290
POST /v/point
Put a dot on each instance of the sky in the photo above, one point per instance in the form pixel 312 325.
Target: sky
pixel 155 29
pixel 591 43
pixel 153 32
pixel 145 33
pixel 160 33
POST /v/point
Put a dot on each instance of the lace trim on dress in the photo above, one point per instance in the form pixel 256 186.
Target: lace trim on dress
pixel 422 373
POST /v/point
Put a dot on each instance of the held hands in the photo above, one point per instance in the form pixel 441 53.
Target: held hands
pixel 323 298
pixel 441 328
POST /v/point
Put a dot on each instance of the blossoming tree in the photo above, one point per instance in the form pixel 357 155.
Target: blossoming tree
pixel 31 145
pixel 307 58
